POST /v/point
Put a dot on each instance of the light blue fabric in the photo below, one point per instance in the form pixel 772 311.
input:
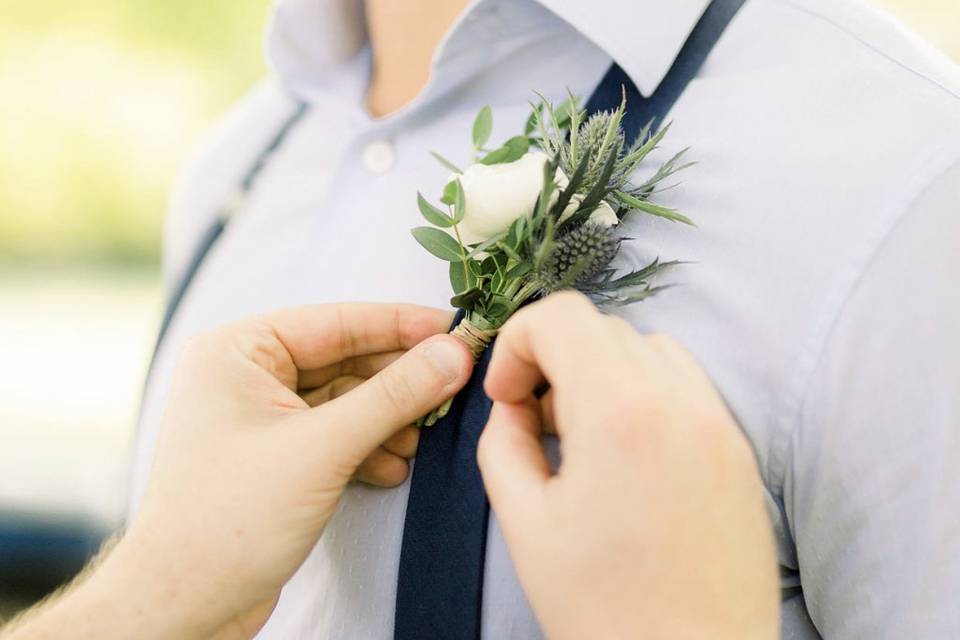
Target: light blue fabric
pixel 822 298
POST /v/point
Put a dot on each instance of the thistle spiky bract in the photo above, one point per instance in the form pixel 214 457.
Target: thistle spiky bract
pixel 579 257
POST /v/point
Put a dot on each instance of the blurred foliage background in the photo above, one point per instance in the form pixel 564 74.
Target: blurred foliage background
pixel 99 99
pixel 99 102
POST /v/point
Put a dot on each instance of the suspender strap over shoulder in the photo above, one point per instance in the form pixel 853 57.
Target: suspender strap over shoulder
pixel 214 231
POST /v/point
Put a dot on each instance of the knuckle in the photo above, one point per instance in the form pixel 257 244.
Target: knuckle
pixel 620 327
pixel 571 301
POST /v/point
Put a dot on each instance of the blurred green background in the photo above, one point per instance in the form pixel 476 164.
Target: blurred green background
pixel 99 99
pixel 99 102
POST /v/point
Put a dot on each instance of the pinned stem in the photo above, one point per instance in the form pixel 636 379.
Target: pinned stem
pixel 477 340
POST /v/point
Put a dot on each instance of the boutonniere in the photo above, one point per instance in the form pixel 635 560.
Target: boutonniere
pixel 540 213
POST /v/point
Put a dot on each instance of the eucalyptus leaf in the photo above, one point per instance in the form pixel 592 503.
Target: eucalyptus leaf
pixel 500 307
pixel 461 280
pixel 459 202
pixel 486 244
pixel 488 266
pixel 475 268
pixel 438 243
pixel 511 151
pixel 507 249
pixel 496 281
pixel 432 214
pixel 482 126
pixel 466 299
pixel 449 195
pixel 449 165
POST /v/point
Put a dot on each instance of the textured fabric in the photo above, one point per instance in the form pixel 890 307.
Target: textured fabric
pixel 819 297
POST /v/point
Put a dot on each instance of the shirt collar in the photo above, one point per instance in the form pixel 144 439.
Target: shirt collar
pixel 307 40
pixel 642 36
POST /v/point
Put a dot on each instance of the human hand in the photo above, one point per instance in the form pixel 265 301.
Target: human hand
pixel 246 473
pixel 655 524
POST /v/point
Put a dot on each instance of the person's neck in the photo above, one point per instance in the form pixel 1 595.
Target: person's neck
pixel 403 36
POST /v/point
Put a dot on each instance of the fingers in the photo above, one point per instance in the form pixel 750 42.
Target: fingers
pixel 357 422
pixel 547 412
pixel 383 469
pixel 404 443
pixel 361 366
pixel 512 460
pixel 333 389
pixel 320 335
pixel 548 340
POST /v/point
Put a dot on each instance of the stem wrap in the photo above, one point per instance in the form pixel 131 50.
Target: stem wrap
pixel 476 339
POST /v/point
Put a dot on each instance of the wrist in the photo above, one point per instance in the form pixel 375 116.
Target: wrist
pixel 131 595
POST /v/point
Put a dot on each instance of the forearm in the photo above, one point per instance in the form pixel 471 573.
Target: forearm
pixel 116 596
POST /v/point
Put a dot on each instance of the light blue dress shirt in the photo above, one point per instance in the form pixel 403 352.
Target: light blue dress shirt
pixel 823 298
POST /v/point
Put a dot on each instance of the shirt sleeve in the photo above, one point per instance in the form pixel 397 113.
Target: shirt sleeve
pixel 872 488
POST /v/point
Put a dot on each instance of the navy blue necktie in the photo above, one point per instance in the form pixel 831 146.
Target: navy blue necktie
pixel 444 536
pixel 440 582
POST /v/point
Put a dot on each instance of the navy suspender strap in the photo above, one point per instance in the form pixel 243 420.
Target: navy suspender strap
pixel 213 232
pixel 440 580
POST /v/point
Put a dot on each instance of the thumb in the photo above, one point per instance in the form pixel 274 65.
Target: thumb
pixel 512 461
pixel 359 421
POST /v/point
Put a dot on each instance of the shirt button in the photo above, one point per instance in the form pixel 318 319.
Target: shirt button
pixel 378 156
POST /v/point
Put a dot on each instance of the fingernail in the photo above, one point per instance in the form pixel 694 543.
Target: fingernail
pixel 446 357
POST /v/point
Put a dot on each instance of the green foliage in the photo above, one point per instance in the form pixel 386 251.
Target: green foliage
pixel 557 246
pixel 433 215
pixel 449 165
pixel 459 202
pixel 438 243
pixel 482 127
pixel 511 151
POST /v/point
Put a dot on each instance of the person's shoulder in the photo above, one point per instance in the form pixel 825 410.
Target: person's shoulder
pixel 857 38
pixel 214 168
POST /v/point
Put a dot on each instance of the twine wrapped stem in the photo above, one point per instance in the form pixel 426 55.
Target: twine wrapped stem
pixel 477 340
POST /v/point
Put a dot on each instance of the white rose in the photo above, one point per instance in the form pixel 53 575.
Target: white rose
pixel 604 215
pixel 498 194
